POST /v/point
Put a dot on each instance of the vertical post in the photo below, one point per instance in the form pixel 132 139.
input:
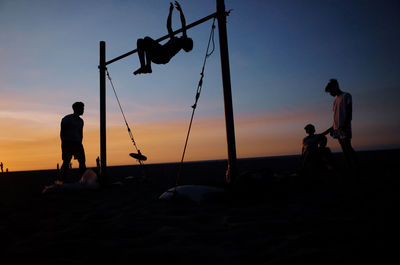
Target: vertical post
pixel 103 154
pixel 226 83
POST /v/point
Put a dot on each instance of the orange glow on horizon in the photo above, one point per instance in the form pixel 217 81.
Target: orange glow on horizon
pixel 29 146
pixel 161 143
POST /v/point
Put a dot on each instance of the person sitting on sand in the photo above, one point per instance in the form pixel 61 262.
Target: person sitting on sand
pixel 71 135
pixel 150 50
pixel 312 145
pixel 326 154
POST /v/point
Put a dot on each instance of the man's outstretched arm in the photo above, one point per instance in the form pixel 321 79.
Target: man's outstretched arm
pixel 327 131
pixel 169 28
pixel 183 21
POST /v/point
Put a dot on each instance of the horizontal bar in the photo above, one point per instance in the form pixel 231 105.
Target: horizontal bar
pixel 166 36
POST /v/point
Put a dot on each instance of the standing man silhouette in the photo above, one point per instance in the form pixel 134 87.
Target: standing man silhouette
pixel 71 135
pixel 150 50
pixel 342 116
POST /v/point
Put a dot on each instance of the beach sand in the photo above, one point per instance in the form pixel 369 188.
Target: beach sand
pixel 334 219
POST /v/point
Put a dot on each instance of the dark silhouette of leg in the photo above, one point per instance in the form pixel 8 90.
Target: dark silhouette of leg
pixel 80 156
pixel 349 153
pixel 140 47
pixel 141 55
pixel 82 166
pixel 65 166
pixel 143 47
pixel 148 43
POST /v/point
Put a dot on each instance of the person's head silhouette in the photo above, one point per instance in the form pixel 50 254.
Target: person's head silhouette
pixel 78 108
pixel 333 88
pixel 187 44
pixel 310 129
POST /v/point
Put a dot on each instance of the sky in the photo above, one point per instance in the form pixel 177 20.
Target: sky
pixel 282 53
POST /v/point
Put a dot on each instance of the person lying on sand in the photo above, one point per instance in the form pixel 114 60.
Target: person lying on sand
pixel 88 181
pixel 150 50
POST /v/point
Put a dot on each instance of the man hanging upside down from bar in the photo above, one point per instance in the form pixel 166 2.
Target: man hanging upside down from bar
pixel 150 50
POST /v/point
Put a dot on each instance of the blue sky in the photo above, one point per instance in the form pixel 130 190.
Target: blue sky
pixel 282 53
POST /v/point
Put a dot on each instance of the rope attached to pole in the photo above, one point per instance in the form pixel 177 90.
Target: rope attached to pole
pixel 123 115
pixel 198 92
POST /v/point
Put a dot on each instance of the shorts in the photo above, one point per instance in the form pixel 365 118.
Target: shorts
pixel 70 149
pixel 159 54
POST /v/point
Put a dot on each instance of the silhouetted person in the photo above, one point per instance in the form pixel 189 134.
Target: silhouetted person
pixel 314 146
pixel 1 166
pixel 150 50
pixel 342 116
pixel 325 153
pixel 71 135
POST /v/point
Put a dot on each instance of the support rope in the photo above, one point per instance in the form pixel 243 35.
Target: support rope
pixel 198 92
pixel 123 115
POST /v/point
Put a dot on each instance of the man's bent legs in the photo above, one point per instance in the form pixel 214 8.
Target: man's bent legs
pixel 143 47
pixel 149 45
pixel 140 51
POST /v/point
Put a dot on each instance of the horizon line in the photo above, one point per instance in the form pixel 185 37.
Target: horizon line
pixel 209 160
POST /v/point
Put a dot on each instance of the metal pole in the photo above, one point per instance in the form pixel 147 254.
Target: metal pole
pixel 103 67
pixel 226 83
pixel 204 19
pixel 103 150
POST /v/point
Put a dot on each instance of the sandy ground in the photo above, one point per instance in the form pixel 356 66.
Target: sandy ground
pixel 335 218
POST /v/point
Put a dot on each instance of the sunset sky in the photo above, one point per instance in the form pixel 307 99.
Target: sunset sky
pixel 282 54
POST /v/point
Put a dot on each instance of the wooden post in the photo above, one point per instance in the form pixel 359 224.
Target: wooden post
pixel 226 83
pixel 103 152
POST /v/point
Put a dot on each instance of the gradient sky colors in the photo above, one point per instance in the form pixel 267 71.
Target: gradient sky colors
pixel 282 53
